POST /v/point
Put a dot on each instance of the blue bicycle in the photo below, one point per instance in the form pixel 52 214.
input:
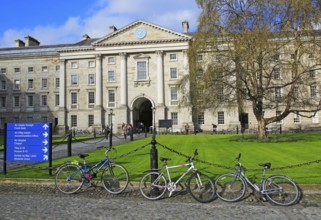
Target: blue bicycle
pixel 70 177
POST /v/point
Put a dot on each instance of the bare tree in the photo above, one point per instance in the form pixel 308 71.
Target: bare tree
pixel 258 55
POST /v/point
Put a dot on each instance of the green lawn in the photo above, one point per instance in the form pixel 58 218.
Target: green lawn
pixel 281 150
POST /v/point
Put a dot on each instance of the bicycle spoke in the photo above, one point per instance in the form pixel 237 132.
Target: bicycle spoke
pixel 230 188
pixel 281 190
pixel 68 179
pixel 115 179
pixel 153 186
pixel 201 187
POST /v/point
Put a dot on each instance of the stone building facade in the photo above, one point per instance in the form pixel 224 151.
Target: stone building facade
pixel 128 76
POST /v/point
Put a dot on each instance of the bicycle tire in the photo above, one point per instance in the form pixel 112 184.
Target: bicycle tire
pixel 68 178
pixel 283 190
pixel 201 187
pixel 115 178
pixel 230 188
pixel 149 191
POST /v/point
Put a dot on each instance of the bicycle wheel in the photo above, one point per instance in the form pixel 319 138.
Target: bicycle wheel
pixel 201 187
pixel 115 178
pixel 153 186
pixel 281 190
pixel 230 188
pixel 68 179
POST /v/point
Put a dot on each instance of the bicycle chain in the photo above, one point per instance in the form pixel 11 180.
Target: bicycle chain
pixel 130 152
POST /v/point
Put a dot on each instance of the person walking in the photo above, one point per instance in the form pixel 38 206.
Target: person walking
pixel 214 128
pixel 124 130
pixel 187 128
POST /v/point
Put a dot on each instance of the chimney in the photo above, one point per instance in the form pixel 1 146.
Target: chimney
pixel 112 29
pixel 30 41
pixel 19 43
pixel 185 26
pixel 85 37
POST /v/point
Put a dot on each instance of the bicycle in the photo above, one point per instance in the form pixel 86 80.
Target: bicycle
pixel 278 189
pixel 154 185
pixel 70 177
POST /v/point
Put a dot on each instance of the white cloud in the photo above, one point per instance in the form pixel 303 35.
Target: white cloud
pixel 104 13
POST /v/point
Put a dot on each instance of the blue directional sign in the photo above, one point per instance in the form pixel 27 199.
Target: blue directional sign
pixel 28 142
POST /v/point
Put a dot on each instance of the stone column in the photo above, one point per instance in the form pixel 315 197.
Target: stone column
pixel 123 111
pixel 62 115
pixel 123 79
pixel 98 95
pixel 160 78
pixel 98 81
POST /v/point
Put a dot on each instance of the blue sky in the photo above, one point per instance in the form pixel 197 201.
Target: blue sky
pixel 65 21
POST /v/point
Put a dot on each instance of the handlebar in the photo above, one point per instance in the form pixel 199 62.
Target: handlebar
pixel 190 159
pixel 109 148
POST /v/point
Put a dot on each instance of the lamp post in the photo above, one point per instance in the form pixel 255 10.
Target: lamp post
pixel 153 151
pixel 111 128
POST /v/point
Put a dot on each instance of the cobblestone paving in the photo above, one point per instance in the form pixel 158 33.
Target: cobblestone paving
pixel 43 201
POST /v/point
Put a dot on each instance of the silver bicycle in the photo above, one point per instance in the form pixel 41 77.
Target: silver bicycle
pixel 154 185
pixel 278 189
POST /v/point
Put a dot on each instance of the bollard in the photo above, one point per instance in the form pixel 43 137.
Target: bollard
pixel 153 156
pixel 131 134
pixel 69 144
pixel 111 137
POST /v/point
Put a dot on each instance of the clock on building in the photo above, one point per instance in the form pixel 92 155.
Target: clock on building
pixel 140 33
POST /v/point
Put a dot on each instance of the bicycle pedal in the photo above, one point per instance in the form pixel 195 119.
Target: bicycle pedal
pixel 264 199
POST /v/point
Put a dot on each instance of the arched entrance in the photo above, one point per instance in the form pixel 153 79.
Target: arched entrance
pixel 142 113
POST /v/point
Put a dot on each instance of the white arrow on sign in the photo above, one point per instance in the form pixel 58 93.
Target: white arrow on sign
pixel 45 126
pixel 45 150
pixel 45 134
pixel 45 157
pixel 45 142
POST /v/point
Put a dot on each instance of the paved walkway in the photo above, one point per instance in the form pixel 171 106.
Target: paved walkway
pixel 40 200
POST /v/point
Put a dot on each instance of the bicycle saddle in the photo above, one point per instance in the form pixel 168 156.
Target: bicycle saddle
pixel 164 159
pixel 83 155
pixel 265 165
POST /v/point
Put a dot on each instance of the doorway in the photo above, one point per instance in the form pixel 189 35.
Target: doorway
pixel 142 113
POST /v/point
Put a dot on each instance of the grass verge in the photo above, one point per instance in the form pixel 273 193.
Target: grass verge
pixel 296 154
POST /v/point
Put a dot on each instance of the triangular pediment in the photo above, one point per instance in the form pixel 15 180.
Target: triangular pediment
pixel 141 32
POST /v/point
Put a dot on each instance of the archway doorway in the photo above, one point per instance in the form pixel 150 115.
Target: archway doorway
pixel 142 113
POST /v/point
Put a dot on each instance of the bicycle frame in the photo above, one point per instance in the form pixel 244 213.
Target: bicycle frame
pixel 167 168
pixel 240 173
pixel 255 186
pixel 100 165
pixel 170 185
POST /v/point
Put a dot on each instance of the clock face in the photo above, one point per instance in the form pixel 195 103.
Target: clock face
pixel 140 33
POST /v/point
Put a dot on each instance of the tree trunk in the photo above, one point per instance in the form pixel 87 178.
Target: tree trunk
pixel 261 129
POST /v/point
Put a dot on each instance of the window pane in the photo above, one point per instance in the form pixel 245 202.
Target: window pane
pixel 220 118
pixel 30 101
pixel 91 97
pixel 74 80
pixel 44 100
pixel 74 121
pixel 173 73
pixel 91 79
pixel 111 76
pixel 141 70
pixel 174 117
pixel 74 99
pixel 173 93
pixel 44 83
pixel 111 96
pixel 90 120
pixel 57 82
